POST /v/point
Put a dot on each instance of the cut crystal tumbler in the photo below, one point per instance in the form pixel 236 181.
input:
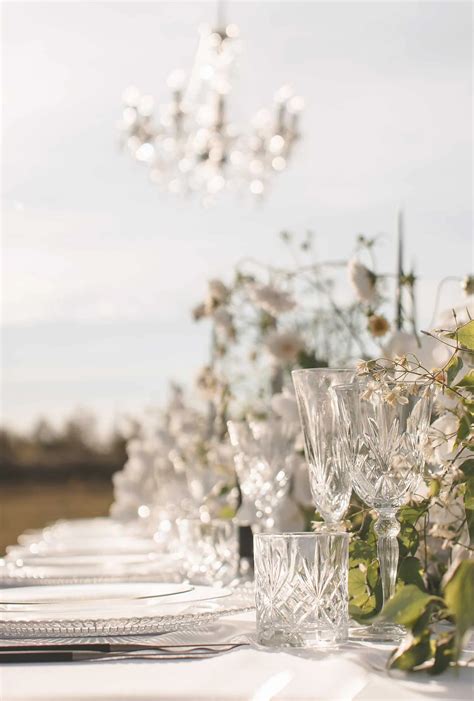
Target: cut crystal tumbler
pixel 301 589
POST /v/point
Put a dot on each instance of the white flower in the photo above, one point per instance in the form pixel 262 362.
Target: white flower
pixel 217 293
pixel 199 312
pixel 363 280
pixel 284 346
pixel 464 312
pixel 447 516
pixel 370 388
pixel 364 367
pixel 427 350
pixel 224 322
pixel 271 300
pixel 394 396
pixel 442 437
pixel 207 382
pixel 284 405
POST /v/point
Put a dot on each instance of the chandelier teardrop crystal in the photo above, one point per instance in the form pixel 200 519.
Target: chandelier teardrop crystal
pixel 193 147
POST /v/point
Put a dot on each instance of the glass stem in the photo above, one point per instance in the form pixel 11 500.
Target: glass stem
pixel 387 528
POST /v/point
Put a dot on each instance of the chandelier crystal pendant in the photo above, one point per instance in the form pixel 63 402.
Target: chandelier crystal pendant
pixel 193 147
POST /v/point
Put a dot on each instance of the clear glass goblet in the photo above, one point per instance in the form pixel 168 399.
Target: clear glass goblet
pixel 209 550
pixel 329 468
pixel 384 428
pixel 264 461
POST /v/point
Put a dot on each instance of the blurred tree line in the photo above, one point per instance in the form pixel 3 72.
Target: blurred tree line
pixel 74 451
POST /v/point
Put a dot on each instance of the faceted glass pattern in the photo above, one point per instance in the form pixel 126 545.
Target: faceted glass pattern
pixel 264 461
pixel 384 429
pixel 209 551
pixel 301 589
pixel 384 439
pixel 329 470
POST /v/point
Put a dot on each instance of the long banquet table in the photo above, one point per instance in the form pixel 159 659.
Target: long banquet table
pixel 355 672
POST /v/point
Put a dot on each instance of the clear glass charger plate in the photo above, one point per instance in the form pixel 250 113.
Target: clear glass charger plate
pixel 93 527
pixel 194 614
pixel 81 597
pixel 89 545
pixel 69 561
pixel 158 567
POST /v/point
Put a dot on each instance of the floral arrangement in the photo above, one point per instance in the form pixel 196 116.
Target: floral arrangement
pixel 436 570
pixel 269 321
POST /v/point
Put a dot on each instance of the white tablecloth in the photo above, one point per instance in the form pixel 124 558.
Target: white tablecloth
pixel 246 674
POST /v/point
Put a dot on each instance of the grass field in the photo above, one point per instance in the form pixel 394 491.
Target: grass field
pixel 27 505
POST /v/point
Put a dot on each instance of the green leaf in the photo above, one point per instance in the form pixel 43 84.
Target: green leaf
pixel 463 430
pixel 365 600
pixel 408 540
pixel 358 584
pixel 412 653
pixel 467 381
pixel 464 335
pixel 470 523
pixel 467 467
pixel 407 605
pixel 453 368
pixel 362 551
pixel 410 572
pixel 434 487
pixel 469 494
pixel 373 575
pixel 411 513
pixel 459 595
pixel 444 653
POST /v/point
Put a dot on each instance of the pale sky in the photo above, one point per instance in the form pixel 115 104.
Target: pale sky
pixel 100 269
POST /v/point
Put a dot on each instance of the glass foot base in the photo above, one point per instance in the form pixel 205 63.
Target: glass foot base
pixel 378 633
pixel 308 638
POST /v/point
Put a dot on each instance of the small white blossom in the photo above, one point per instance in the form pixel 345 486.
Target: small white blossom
pixel 424 348
pixel 284 405
pixel 284 346
pixel 217 294
pixel 439 531
pixel 199 311
pixel 368 393
pixel 363 367
pixel 207 382
pixel 450 318
pixel 442 437
pixel 362 280
pixel 271 300
pixel 224 322
pixel 395 396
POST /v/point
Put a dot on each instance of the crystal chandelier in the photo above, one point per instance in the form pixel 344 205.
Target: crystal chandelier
pixel 193 147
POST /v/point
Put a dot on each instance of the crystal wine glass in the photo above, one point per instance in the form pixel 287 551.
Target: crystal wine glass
pixel 384 427
pixel 264 461
pixel 329 469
